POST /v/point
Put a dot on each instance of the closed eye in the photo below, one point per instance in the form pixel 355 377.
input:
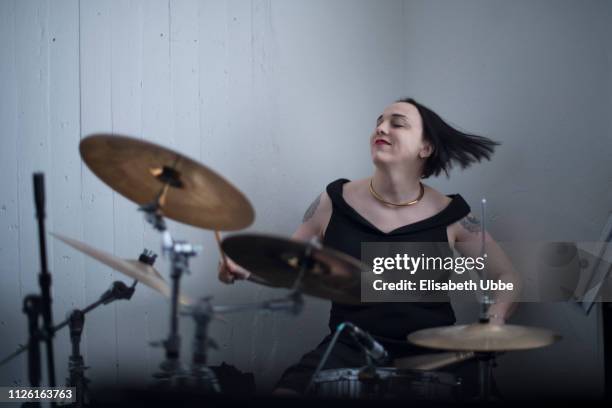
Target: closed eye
pixel 396 120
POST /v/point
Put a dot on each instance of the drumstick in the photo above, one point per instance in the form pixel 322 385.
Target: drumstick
pixel 251 277
pixel 223 256
pixel 432 361
pixel 218 238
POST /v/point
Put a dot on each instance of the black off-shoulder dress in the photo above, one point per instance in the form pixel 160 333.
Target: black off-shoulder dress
pixel 389 323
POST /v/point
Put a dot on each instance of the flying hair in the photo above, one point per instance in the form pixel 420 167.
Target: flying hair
pixel 450 146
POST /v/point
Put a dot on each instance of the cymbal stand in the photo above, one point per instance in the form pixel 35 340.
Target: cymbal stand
pixel 486 301
pixel 306 263
pixel 179 253
pixel 203 312
pixel 76 364
pixel 117 291
pixel 296 292
pixel 203 376
pixel 486 360
pixel 75 321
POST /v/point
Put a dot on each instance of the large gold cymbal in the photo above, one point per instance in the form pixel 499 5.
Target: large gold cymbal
pixel 483 337
pixel 139 170
pixel 332 275
pixel 140 271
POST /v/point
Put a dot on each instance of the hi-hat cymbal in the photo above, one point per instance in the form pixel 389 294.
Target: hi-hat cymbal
pixel 139 170
pixel 332 274
pixel 142 272
pixel 483 337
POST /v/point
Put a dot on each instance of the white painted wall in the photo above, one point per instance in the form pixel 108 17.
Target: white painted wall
pixel 273 95
pixel 535 76
pixel 280 97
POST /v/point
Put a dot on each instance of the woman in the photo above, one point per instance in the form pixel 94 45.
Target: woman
pixel 410 142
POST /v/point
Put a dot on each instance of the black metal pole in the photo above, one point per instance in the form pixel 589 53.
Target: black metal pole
pixel 44 278
pixel 117 291
pixel 31 307
pixel 174 339
pixel 76 364
pixel 606 311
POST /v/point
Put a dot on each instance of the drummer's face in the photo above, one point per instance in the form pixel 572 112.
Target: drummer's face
pixel 398 136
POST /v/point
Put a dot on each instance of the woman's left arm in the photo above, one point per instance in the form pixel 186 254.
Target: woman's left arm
pixel 466 237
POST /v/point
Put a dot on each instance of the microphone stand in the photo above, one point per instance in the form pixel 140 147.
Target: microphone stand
pixel 76 322
pixel 367 373
pixel 35 306
pixel 117 291
pixel 44 278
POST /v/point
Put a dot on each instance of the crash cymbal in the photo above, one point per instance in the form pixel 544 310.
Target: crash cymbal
pixel 142 272
pixel 483 337
pixel 332 275
pixel 139 170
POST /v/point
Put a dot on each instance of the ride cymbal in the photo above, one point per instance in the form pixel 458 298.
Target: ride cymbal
pixel 330 274
pixel 483 337
pixel 141 171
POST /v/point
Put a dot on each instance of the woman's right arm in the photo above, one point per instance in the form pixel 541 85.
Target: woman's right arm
pixel 313 225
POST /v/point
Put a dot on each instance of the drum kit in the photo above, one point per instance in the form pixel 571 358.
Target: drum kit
pixel 166 184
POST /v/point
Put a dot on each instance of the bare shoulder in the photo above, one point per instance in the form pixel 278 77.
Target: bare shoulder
pixel 435 200
pixel 466 229
pixel 438 201
pixel 316 217
pixel 355 189
pixel 320 205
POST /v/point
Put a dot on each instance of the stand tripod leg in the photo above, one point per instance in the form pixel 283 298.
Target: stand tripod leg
pixel 76 364
pixel 31 307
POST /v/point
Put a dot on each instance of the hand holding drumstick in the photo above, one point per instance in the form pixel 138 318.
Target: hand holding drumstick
pixel 228 270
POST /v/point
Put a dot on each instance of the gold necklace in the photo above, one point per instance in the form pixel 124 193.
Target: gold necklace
pixel 406 204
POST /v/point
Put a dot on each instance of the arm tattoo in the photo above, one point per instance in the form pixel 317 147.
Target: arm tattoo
pixel 471 224
pixel 311 209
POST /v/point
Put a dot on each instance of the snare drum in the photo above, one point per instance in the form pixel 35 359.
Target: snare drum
pixel 387 383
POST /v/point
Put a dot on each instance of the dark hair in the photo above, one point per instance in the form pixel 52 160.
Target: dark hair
pixel 450 146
